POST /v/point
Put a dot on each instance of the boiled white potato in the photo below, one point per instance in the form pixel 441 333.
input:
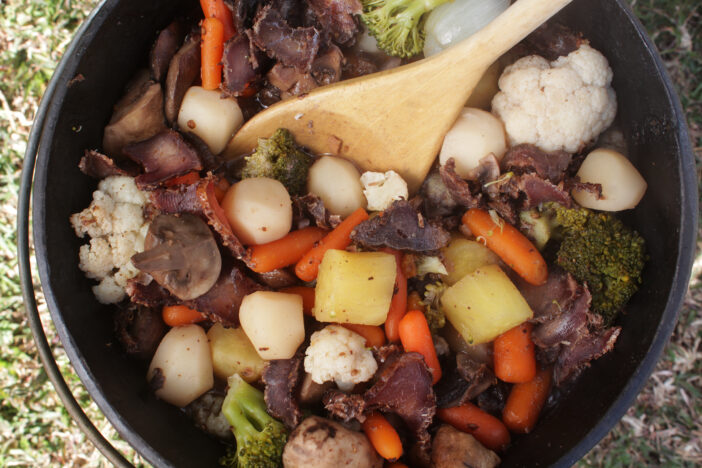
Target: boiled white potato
pixel 259 210
pixel 338 183
pixel 233 353
pixel 207 115
pixel 183 363
pixel 273 322
pixel 622 185
pixel 474 135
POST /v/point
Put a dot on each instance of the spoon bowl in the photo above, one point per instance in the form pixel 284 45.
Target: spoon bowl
pixel 396 119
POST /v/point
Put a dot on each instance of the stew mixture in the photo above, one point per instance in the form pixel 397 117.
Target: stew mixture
pixel 309 314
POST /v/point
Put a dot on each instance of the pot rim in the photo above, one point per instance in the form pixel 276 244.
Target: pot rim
pixel 45 124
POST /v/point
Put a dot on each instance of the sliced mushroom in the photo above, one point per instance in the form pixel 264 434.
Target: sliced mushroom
pixel 165 47
pixel 181 254
pixel 137 116
pixel 182 72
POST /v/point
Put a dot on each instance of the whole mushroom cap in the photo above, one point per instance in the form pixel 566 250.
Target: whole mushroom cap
pixel 181 254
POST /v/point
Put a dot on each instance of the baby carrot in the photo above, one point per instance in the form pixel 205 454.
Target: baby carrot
pixel 307 294
pixel 283 252
pixel 483 426
pixel 178 315
pixel 217 9
pixel 395 465
pixel 340 238
pixel 514 355
pixel 509 244
pixel 375 338
pixel 416 336
pixel 398 304
pixel 383 436
pixel 185 179
pixel 211 52
pixel 525 402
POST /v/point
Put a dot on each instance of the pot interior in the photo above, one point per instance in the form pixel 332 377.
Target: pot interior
pixel 116 44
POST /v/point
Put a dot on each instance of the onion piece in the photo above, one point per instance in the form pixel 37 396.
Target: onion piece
pixel 452 22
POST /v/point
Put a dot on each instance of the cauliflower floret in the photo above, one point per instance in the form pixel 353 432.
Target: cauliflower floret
pixel 562 105
pixel 382 189
pixel 96 258
pixel 338 354
pixel 108 291
pixel 122 189
pixel 115 222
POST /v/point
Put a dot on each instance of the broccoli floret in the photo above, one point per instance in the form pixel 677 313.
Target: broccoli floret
pixel 432 310
pixel 398 25
pixel 260 439
pixel 598 249
pixel 278 157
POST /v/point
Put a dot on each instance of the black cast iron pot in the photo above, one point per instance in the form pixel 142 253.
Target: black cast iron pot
pixel 107 51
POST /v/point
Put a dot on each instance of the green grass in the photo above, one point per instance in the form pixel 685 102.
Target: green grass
pixel 664 428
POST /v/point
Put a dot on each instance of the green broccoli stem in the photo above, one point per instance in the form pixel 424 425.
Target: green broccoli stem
pixel 241 400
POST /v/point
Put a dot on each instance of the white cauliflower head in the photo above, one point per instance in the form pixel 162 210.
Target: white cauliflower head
pixel 115 223
pixel 340 355
pixel 381 189
pixel 562 105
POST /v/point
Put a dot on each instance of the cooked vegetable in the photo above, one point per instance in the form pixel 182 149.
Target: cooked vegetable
pixel 484 304
pixel 339 355
pixel 233 353
pixel 217 9
pixel 209 116
pixel 340 238
pixel 536 226
pixel 273 322
pixel 510 244
pixel 431 306
pixel 416 337
pixel 455 449
pixel 398 25
pixel 489 430
pixel 622 185
pixel 181 254
pixel 426 264
pixel 177 315
pixel 463 256
pixel 259 210
pixel 278 157
pixel 515 361
pixel 562 105
pixel 283 252
pixel 374 335
pixel 307 295
pixel 381 189
pixel 211 52
pixel 181 369
pixel 321 443
pixel 598 249
pixel 260 439
pixel 354 287
pixel 383 436
pixel 525 402
pixel 474 135
pixel 450 23
pixel 398 304
pixel 338 183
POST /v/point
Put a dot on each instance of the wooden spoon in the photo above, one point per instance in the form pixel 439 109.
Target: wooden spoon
pixel 396 119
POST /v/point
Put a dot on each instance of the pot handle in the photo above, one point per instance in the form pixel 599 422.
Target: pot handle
pixel 47 358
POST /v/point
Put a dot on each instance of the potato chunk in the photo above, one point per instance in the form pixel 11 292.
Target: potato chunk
pixel 622 185
pixel 273 322
pixel 233 353
pixel 484 304
pixel 463 256
pixel 354 287
pixel 183 365
pixel 212 118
